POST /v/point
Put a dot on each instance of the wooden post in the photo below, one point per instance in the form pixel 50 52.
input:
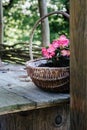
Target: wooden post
pixel 1 23
pixel 1 29
pixel 78 77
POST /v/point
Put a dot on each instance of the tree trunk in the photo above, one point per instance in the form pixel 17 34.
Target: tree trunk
pixel 45 23
pixel 1 28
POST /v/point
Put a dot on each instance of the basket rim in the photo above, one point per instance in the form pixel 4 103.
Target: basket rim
pixel 51 68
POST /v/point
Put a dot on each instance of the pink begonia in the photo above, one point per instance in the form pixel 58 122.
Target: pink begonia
pixel 55 44
pixel 63 41
pixel 65 53
pixel 48 53
pixel 51 48
pixel 56 47
pixel 44 50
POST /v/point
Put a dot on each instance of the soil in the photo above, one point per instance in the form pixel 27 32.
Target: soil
pixel 60 63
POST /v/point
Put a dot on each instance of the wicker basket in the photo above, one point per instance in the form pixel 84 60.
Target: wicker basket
pixel 53 79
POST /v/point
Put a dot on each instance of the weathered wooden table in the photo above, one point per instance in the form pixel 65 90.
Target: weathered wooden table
pixel 23 106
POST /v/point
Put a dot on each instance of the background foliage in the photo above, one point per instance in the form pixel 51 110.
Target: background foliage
pixel 19 17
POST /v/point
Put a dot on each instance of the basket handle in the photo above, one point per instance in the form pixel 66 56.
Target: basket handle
pixel 37 23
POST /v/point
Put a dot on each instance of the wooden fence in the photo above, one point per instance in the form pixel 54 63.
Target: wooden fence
pixel 19 52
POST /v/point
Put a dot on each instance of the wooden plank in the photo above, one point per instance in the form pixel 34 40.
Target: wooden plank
pixel 39 119
pixel 78 26
pixel 11 102
pixel 42 99
pixel 13 80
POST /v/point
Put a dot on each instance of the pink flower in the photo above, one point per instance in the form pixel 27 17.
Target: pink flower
pixel 55 44
pixel 51 48
pixel 56 49
pixel 63 41
pixel 43 50
pixel 65 53
pixel 48 53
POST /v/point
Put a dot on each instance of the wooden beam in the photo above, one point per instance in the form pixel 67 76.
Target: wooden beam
pixel 78 69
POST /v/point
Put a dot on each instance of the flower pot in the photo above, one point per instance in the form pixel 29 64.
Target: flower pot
pixel 53 79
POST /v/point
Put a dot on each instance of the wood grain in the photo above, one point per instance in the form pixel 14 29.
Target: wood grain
pixel 39 119
pixel 78 34
pixel 16 94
